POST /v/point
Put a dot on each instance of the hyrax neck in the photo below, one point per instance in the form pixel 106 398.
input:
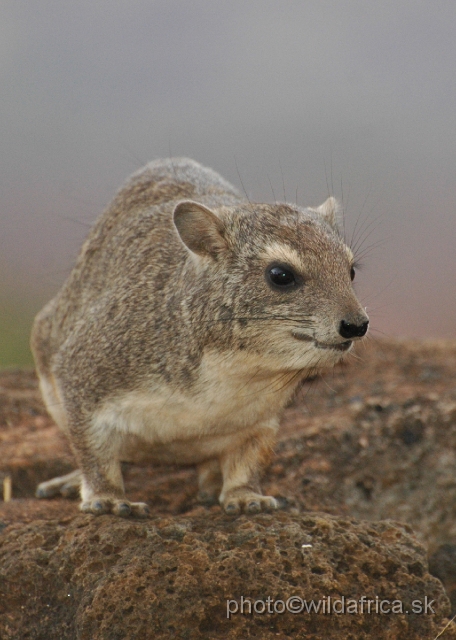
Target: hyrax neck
pixel 245 380
pixel 241 388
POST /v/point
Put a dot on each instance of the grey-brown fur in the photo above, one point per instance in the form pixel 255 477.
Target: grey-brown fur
pixel 167 323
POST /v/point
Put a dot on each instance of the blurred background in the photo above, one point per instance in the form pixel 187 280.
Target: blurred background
pixel 288 100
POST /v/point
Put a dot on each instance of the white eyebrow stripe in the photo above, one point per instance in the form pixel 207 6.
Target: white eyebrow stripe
pixel 277 252
pixel 349 253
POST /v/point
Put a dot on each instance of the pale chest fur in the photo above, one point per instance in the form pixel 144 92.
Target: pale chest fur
pixel 232 395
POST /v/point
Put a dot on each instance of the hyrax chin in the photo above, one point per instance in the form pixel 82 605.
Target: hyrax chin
pixel 184 328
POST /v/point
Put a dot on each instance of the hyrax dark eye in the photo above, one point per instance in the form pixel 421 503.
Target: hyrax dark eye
pixel 281 276
pixel 352 273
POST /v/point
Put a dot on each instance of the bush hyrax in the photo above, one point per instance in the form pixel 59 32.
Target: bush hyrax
pixel 188 321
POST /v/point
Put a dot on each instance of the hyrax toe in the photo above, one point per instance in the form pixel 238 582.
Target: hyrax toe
pixel 122 509
pixel 42 491
pixel 69 490
pixel 97 507
pixel 139 509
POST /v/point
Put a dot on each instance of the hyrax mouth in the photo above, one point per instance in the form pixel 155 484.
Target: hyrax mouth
pixel 338 346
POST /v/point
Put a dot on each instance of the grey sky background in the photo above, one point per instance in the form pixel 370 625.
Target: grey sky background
pixel 296 99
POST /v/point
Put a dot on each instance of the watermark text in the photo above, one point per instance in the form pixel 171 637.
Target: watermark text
pixel 328 605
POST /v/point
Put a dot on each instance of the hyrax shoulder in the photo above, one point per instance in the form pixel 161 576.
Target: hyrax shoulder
pixel 186 324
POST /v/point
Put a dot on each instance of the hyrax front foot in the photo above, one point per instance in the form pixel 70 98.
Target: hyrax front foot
pixel 118 507
pixel 244 500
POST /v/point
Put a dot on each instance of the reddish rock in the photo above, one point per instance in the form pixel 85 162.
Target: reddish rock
pixel 101 578
pixel 375 441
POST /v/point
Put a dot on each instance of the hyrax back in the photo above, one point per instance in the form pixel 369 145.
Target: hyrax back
pixel 188 321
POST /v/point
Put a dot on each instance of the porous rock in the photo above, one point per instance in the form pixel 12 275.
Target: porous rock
pixel 104 578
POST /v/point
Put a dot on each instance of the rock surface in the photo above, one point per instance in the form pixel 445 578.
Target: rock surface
pixel 375 441
pixel 177 577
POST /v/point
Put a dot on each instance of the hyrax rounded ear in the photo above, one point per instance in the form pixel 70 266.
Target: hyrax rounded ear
pixel 199 229
pixel 329 211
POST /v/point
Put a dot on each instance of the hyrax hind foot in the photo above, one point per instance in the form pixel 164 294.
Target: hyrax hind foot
pixel 118 507
pixel 247 501
pixel 67 486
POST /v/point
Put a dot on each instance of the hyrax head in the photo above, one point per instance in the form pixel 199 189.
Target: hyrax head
pixel 277 280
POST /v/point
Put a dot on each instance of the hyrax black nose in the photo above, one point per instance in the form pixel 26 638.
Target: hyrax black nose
pixel 350 330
